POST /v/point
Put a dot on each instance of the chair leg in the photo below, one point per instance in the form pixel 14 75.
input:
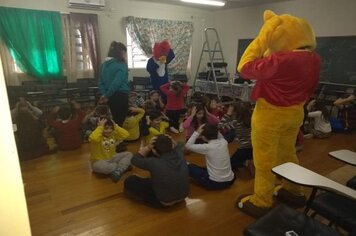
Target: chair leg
pixel 310 200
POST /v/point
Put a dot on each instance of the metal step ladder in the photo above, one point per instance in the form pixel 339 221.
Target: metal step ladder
pixel 216 61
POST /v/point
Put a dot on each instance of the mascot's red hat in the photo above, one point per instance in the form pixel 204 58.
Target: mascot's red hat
pixel 161 49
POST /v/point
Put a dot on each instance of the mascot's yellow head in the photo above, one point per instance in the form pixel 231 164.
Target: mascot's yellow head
pixel 279 33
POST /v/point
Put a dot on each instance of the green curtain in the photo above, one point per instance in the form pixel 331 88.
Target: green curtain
pixel 35 40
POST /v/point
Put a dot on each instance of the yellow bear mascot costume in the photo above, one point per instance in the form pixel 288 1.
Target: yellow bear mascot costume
pixel 286 70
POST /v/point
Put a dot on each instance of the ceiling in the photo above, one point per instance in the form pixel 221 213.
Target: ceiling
pixel 230 4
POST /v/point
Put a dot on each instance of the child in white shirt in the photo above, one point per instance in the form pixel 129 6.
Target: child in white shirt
pixel 320 115
pixel 218 173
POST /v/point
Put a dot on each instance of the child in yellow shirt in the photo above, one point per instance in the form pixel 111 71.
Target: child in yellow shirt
pixel 132 123
pixel 156 125
pixel 103 141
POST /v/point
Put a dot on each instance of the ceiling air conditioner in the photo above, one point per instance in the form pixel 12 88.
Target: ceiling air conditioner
pixel 87 4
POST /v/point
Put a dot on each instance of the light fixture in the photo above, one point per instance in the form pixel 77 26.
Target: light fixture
pixel 206 2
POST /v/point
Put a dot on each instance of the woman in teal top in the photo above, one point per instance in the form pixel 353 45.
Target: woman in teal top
pixel 113 82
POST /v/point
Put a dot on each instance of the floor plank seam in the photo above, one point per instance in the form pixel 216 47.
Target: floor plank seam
pixel 90 204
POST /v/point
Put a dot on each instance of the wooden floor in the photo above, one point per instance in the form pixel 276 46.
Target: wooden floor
pixel 65 198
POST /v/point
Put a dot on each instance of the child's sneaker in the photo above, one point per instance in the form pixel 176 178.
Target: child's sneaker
pixel 115 176
pixel 308 136
pixel 173 130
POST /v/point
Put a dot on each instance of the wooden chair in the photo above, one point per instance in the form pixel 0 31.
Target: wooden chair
pixel 142 85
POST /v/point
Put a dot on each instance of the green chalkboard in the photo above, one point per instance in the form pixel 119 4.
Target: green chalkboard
pixel 241 47
pixel 338 55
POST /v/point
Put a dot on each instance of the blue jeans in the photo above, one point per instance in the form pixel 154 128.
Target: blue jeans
pixel 240 156
pixel 200 175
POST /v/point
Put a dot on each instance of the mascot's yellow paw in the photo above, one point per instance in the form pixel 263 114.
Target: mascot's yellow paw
pixel 243 203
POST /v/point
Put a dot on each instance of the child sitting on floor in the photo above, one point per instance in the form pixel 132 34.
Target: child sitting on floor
pixel 218 173
pixel 135 100
pixel 320 115
pixel 156 125
pixel 198 115
pixel 227 124
pixel 90 121
pixel 103 141
pixel 243 155
pixel 169 182
pixel 132 123
pixel 347 112
pixel 67 126
pixel 155 97
pixel 21 104
pixel 148 107
pixel 30 141
pixel 214 107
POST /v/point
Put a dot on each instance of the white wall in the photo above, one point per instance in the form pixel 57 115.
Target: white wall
pixel 13 211
pixel 328 17
pixel 111 21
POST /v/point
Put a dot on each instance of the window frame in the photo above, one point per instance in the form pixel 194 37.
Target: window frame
pixel 134 51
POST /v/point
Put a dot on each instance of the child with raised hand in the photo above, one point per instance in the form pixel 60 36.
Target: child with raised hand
pixel 90 121
pixel 22 103
pixel 156 125
pixel 227 124
pixel 30 141
pixel 199 115
pixel 243 155
pixel 175 92
pixel 218 173
pixel 169 181
pixel 155 97
pixel 67 126
pixel 347 112
pixel 103 141
pixel 214 107
pixel 135 100
pixel 132 123
pixel 320 115
pixel 148 107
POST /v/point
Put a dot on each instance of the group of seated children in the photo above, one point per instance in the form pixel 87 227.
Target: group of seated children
pixel 209 128
pixel 320 124
pixel 169 171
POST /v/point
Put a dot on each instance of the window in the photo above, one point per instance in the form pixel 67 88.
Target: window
pixel 16 68
pixel 135 56
pixel 80 47
pixel 83 58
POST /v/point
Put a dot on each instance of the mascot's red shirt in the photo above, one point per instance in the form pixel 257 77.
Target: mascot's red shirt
pixel 284 78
